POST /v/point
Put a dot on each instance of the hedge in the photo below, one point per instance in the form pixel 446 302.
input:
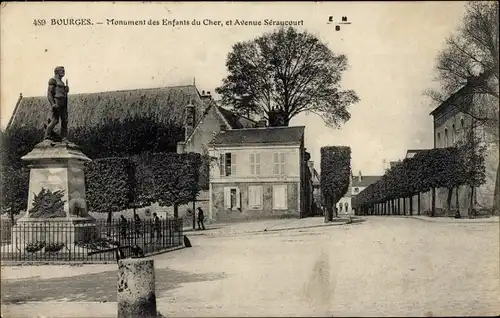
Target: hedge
pixel 110 185
pixel 335 174
pixel 435 168
pixel 167 178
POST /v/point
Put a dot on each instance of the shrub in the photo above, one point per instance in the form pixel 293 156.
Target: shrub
pixel 53 247
pixel 14 189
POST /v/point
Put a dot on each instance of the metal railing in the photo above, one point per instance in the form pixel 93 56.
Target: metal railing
pixel 56 241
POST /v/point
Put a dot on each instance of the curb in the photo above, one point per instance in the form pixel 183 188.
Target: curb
pixel 273 229
pixel 305 227
pixel 451 221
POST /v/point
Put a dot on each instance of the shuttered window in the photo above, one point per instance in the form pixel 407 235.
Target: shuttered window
pixel 255 197
pixel 280 197
pixel 279 163
pixel 227 164
pixel 232 198
pixel 255 163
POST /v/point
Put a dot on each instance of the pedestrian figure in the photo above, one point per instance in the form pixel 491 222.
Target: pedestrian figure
pixel 156 227
pixel 123 226
pixel 138 223
pixel 201 218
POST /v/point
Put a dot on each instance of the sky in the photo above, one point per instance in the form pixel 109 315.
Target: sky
pixel 391 48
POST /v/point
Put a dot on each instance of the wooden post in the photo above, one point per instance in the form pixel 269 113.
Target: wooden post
pixel 136 295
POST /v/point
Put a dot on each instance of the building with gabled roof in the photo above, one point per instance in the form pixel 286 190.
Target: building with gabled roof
pixel 259 172
pixel 165 104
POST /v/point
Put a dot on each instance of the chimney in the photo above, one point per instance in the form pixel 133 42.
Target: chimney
pixel 359 176
pixel 189 120
pixel 262 123
pixel 206 96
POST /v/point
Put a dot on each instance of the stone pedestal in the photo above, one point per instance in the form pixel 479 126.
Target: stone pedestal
pixel 56 166
pixel 136 294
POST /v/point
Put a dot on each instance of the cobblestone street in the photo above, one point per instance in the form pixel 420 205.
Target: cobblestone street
pixel 385 266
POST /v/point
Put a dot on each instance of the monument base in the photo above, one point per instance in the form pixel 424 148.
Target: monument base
pixel 53 231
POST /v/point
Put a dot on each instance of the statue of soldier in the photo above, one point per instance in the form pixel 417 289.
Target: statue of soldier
pixel 58 99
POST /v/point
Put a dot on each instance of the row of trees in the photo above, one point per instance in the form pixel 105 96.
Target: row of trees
pixel 115 184
pixel 335 176
pixel 448 168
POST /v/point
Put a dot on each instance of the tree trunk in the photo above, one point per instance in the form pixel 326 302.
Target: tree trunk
pixel 194 214
pixel 176 211
pixel 496 197
pixel 457 203
pixel 411 204
pixel 108 221
pixel 418 203
pixel 433 207
pixel 471 203
pixel 404 206
pixel 448 201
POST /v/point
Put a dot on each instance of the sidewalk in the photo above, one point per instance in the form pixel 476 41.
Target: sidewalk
pixel 492 219
pixel 257 226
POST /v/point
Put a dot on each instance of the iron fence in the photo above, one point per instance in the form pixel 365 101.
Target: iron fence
pixel 60 241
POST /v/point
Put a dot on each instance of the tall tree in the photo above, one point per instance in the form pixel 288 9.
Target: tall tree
pixel 283 73
pixel 335 176
pixel 470 58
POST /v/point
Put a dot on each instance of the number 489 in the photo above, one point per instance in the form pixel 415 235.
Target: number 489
pixel 39 22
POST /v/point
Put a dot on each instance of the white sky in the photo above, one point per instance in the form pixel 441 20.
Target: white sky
pixel 391 47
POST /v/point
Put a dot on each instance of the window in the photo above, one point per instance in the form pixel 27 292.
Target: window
pixel 232 198
pixel 438 140
pixel 279 163
pixel 255 163
pixel 255 197
pixel 280 197
pixel 227 164
pixel 340 207
pixel 356 190
pixel 346 207
pixel 446 137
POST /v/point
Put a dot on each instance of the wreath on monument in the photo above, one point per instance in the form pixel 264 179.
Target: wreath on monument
pixel 48 204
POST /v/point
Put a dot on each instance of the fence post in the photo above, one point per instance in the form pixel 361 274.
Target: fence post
pixel 136 288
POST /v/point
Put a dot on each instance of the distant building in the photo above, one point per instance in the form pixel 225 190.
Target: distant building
pixel 316 186
pixel 357 184
pixel 410 153
pixel 258 173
